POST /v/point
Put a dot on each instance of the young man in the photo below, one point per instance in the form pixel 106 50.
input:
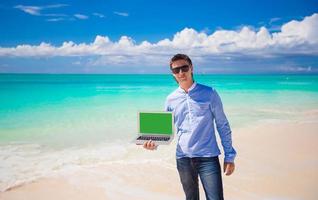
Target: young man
pixel 196 108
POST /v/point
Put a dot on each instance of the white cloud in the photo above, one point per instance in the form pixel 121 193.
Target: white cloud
pixel 99 15
pixel 36 10
pixel 32 10
pixel 274 19
pixel 55 6
pixel 80 16
pixel 55 19
pixel 124 14
pixel 296 69
pixel 294 38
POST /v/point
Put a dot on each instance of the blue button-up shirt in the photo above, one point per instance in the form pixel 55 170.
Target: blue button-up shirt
pixel 195 114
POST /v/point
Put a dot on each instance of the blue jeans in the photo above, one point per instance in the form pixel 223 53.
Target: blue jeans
pixel 209 170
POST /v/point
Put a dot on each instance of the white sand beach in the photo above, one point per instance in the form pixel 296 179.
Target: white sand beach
pixel 276 160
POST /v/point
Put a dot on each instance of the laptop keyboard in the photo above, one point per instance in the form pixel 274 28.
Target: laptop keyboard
pixel 154 138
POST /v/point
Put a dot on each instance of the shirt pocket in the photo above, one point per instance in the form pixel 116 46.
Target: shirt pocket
pixel 201 109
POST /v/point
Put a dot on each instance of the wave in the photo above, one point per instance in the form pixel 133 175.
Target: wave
pixel 24 163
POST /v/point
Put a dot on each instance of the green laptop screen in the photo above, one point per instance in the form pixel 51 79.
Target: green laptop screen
pixel 157 123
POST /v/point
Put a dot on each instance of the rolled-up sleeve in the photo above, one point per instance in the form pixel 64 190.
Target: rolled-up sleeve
pixel 223 127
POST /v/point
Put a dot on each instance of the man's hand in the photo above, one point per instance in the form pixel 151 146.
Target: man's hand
pixel 150 145
pixel 228 168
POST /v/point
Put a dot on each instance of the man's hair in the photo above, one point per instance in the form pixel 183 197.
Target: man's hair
pixel 180 56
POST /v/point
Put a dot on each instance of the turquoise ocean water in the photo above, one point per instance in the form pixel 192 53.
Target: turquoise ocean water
pixel 73 109
pixel 43 117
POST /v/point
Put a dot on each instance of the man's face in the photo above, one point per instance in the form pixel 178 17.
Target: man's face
pixel 179 70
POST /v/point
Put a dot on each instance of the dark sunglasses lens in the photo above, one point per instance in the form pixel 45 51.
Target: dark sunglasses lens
pixel 176 70
pixel 184 68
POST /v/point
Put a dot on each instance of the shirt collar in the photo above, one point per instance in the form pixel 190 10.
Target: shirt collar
pixel 191 88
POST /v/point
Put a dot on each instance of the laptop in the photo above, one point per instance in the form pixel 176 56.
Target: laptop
pixel 155 126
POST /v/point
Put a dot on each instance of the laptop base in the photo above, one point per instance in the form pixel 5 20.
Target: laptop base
pixel 141 139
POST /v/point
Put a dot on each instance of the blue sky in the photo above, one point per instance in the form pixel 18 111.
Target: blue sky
pixel 140 36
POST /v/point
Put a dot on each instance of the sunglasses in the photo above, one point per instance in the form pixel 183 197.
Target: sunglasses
pixel 183 68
